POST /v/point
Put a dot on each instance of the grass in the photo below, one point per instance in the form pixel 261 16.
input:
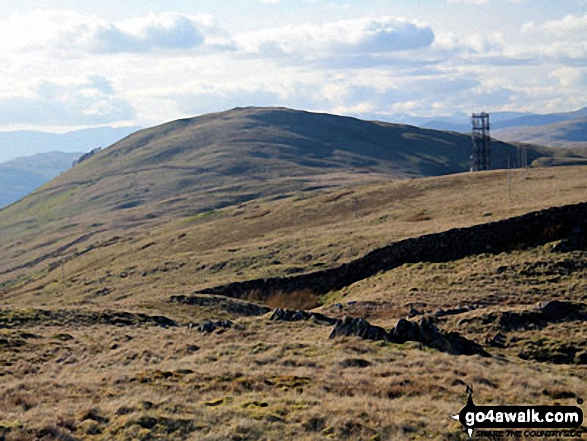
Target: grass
pixel 85 369
pixel 152 261
pixel 265 381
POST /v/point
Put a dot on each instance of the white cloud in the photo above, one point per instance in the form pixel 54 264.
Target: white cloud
pixel 68 31
pixel 169 65
pixel 481 44
pixel 570 25
pixel 571 76
pixel 164 31
pixel 472 2
pixel 564 40
pixel 360 36
pixel 93 101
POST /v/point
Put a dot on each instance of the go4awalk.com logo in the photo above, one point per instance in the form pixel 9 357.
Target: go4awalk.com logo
pixel 527 421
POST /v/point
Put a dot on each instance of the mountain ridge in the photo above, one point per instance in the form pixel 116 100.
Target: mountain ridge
pixel 569 134
pixel 220 159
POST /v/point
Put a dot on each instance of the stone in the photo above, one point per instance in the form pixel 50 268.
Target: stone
pixel 405 330
pixel 359 327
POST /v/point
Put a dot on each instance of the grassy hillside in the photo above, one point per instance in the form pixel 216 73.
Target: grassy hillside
pixel 82 360
pixel 93 347
pixel 189 167
pixel 264 237
pixel 219 159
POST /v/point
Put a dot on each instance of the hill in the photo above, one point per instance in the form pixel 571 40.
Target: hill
pixel 116 312
pixel 459 122
pixel 203 163
pixel 19 143
pixel 119 285
pixel 193 166
pixel 21 176
pixel 566 134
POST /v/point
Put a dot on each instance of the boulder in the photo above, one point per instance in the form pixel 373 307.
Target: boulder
pixel 359 327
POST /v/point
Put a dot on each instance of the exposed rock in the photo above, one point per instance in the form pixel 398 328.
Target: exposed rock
pixel 414 312
pixel 425 332
pixel 498 341
pixel 405 330
pixel 359 327
pixel 290 315
pixel 210 326
pixel 459 345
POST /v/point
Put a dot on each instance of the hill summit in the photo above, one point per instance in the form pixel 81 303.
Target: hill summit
pixel 224 158
pixel 191 167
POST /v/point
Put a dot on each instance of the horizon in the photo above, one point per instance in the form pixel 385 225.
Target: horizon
pixel 17 144
pixel 143 63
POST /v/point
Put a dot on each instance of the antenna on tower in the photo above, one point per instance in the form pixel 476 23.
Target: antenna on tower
pixel 480 158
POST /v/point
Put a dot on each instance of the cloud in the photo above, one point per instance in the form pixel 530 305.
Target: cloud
pixel 92 102
pixel 563 40
pixel 360 36
pixel 571 76
pixel 164 31
pixel 388 35
pixel 68 31
pixel 472 2
pixel 570 25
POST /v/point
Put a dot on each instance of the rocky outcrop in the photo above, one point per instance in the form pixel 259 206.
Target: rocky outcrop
pixel 424 331
pixel 289 315
pixel 359 327
pixel 532 229
pixel 210 326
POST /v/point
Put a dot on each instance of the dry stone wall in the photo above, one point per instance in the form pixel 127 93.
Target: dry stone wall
pixel 568 223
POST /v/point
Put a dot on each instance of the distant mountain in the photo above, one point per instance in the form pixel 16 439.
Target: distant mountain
pixel 21 176
pixel 516 126
pixel 458 122
pixel 535 120
pixel 568 133
pixel 27 142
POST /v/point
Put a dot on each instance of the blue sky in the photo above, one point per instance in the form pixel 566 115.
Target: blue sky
pixel 70 64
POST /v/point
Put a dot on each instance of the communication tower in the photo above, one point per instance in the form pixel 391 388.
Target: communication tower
pixel 480 158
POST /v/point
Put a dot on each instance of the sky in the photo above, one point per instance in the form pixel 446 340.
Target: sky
pixel 68 64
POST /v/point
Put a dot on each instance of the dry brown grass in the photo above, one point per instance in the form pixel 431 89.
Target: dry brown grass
pixel 151 260
pixel 304 299
pixel 266 380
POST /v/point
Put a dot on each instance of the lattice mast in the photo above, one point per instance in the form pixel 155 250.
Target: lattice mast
pixel 480 158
